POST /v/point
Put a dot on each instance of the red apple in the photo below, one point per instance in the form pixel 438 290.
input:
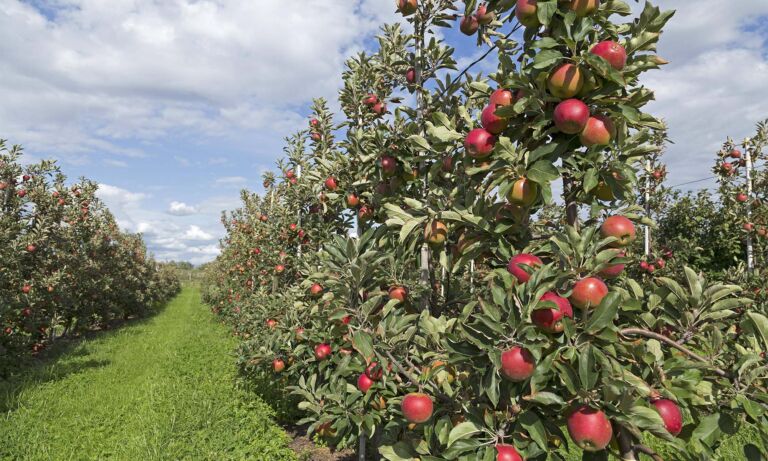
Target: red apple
pixel 447 162
pixel 507 453
pixel 551 319
pixel 278 365
pixel 523 259
pixel 613 270
pixel 565 81
pixel 435 233
pixel 279 268
pixel 469 25
pixel 407 7
pixel 484 16
pixel 388 164
pixel 314 122
pixel 289 174
pixel 370 100
pixel 517 364
pixel 670 414
pixel 525 12
pixel 741 197
pixel 598 132
pixel 316 136
pixel 26 178
pixel 523 193
pixel 330 183
pixel 365 213
pixel 584 7
pixel 619 227
pixel 316 289
pixel 398 292
pixel 364 383
pixel 271 324
pixel 26 289
pixel 571 116
pixel 292 227
pixel 31 248
pixel 410 75
pixel 374 371
pixel 417 407
pixel 611 52
pixel 263 218
pixel 502 97
pixel 588 293
pixel 735 153
pixel 353 200
pixel 748 226
pixel 492 122
pixel 322 351
pixel 479 143
pixel 22 193
pixel 590 429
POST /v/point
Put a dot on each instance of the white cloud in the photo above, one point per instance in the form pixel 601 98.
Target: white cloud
pixel 195 233
pixel 181 209
pixel 714 85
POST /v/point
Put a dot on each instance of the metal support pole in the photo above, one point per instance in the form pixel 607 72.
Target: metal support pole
pixel 298 219
pixel 750 249
pixel 647 228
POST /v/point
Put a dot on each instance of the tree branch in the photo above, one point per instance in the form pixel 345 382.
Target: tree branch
pixel 648 451
pixel 672 343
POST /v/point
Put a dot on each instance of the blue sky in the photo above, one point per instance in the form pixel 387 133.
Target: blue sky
pixel 175 106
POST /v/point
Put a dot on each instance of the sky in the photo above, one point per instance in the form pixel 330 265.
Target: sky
pixel 175 106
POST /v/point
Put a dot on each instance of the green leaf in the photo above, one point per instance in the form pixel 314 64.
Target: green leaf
pixel 546 58
pixel 604 313
pixel 419 141
pixel 461 431
pixel 545 10
pixel 534 427
pixel 542 172
pixel 761 323
pixel 363 343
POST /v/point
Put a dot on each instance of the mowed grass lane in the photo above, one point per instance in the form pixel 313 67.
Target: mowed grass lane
pixel 157 389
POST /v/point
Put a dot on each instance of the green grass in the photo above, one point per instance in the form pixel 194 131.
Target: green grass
pixel 157 389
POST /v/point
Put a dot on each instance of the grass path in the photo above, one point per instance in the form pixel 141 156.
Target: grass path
pixel 157 389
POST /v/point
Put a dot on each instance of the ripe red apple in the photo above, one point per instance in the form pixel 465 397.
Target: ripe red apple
pixel 410 75
pixel 598 132
pixel 407 7
pixel 551 319
pixel 374 371
pixel 492 122
pixel 523 259
pixel 299 331
pixel 26 289
pixel 613 270
pixel 484 16
pixel 314 122
pixel 315 136
pixel 22 193
pixel 278 365
pixel 398 292
pixel 479 143
pixel 525 12
pixel 735 153
pixel 379 108
pixel 507 453
pixel 370 100
pixel 727 167
pixel 588 293
pixel 523 193
pixel 289 174
pixel 365 213
pixel 26 178
pixel 584 7
pixel 3 185
pixel 352 200
pixel 571 116
pixel 31 248
pixel 517 364
pixel 619 227
pixel 590 429
pixel 316 289
pixel 748 226
pixel 330 183
pixel 611 52
pixel 322 351
pixel 364 383
pixel 263 218
pixel 26 312
pixel 502 97
pixel 447 162
pixel 565 81
pixel 435 232
pixel 271 324
pixel 292 227
pixel 279 268
pixel 741 197
pixel 469 25
pixel 388 164
pixel 670 414
pixel 417 407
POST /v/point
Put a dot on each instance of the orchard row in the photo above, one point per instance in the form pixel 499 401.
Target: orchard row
pixel 471 316
pixel 66 267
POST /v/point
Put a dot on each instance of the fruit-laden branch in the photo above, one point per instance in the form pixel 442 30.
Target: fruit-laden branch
pixel 664 339
pixel 402 369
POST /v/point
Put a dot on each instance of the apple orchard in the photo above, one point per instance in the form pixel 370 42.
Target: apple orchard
pixel 473 314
